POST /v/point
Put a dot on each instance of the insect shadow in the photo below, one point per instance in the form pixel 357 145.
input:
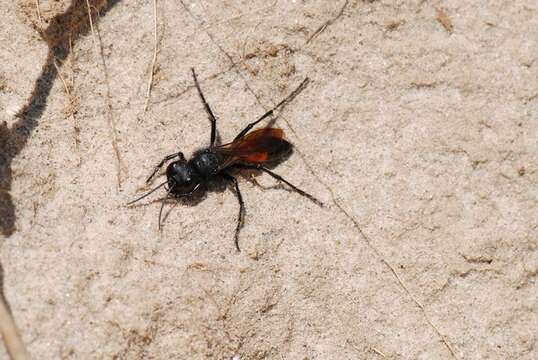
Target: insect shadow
pixel 188 181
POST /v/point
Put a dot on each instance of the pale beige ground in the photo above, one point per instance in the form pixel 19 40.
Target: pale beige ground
pixel 422 142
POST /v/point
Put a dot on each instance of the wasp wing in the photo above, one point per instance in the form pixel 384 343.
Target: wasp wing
pixel 257 147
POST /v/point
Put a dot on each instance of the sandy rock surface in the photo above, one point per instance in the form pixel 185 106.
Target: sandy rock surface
pixel 418 130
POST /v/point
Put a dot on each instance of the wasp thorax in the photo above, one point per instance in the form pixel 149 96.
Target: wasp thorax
pixel 206 163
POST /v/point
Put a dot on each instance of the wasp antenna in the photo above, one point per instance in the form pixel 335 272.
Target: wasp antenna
pixel 162 207
pixel 146 194
pixel 161 212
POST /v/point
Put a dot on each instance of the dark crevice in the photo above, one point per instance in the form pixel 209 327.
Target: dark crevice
pixel 63 31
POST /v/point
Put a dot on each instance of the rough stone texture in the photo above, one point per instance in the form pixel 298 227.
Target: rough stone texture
pixel 422 142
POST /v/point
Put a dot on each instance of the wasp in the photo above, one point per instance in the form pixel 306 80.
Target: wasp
pixel 249 150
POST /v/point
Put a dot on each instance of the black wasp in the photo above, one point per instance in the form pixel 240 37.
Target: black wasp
pixel 249 150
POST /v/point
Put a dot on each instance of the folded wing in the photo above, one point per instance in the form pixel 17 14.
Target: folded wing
pixel 259 146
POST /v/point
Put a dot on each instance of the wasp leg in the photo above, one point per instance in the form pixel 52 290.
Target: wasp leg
pixel 270 112
pixel 241 216
pixel 280 178
pixel 207 109
pixel 165 160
